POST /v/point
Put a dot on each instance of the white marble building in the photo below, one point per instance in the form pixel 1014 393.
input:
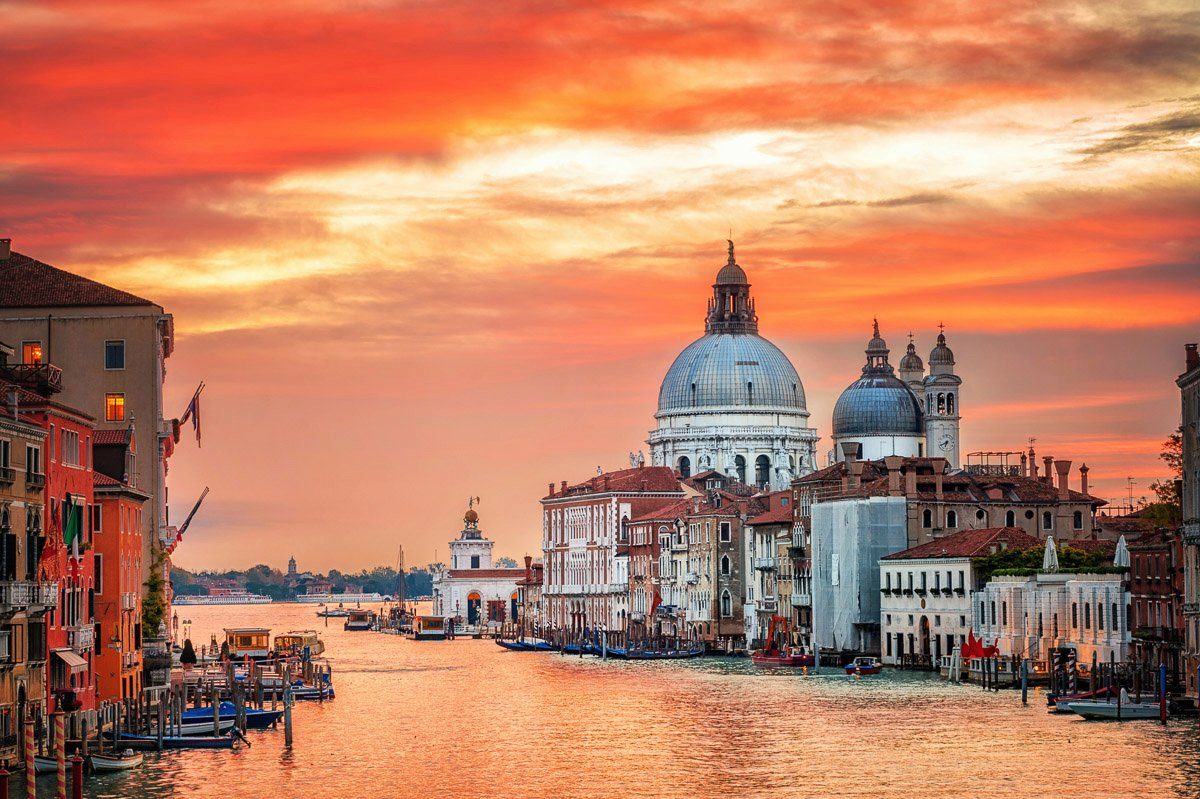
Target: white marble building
pixel 472 588
pixel 732 401
pixel 1029 616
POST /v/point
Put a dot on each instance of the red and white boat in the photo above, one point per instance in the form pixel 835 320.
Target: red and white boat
pixel 775 654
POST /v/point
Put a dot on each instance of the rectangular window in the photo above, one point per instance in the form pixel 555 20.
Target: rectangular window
pixel 99 566
pixel 725 531
pixel 474 561
pixel 5 453
pixel 70 448
pixel 31 352
pixel 114 407
pixel 33 460
pixel 114 355
pixel 96 518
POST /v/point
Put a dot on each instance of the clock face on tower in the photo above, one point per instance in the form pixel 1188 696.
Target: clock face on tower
pixel 946 444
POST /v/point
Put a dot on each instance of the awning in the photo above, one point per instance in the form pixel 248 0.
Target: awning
pixel 75 664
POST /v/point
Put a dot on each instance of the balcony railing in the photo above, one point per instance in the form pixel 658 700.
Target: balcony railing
pixel 771 605
pixel 764 564
pixel 35 481
pixel 19 594
pixel 81 637
pixel 7 475
pixel 801 600
pixel 45 376
pixel 692 578
pixel 128 600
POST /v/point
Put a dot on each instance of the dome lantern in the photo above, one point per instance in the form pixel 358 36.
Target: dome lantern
pixel 731 309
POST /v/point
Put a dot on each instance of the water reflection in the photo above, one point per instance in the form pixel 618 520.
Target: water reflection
pixel 466 719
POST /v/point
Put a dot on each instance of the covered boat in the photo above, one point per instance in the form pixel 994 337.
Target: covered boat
pixel 430 628
pixel 299 643
pixel 360 619
pixel 248 642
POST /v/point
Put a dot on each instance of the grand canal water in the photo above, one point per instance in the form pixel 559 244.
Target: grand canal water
pixel 467 719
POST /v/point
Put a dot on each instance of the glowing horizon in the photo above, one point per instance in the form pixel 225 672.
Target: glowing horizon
pixel 425 251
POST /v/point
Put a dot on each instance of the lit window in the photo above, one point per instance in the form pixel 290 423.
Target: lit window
pixel 114 355
pixel 31 352
pixel 114 407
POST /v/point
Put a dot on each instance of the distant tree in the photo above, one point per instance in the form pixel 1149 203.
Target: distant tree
pixel 506 563
pixel 154 605
pixel 1168 510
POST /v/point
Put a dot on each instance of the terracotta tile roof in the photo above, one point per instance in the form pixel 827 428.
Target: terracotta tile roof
pixel 487 574
pixel 103 480
pixel 968 544
pixel 1101 545
pixel 655 479
pixel 112 437
pixel 666 513
pixel 28 283
pixel 778 515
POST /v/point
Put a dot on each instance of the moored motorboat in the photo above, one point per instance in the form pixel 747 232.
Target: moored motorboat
pixel 1061 703
pixel 1115 711
pixel 256 719
pixel 115 761
pixel 864 665
pixel 777 652
pixel 514 646
pixel 147 743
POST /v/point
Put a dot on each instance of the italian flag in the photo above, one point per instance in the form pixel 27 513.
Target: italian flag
pixel 72 521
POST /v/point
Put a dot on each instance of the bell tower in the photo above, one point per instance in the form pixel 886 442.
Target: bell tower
pixel 941 404
pixel 471 550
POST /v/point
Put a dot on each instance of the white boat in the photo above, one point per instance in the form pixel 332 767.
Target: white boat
pixel 1095 709
pixel 232 598
pixel 326 599
pixel 199 727
pixel 118 761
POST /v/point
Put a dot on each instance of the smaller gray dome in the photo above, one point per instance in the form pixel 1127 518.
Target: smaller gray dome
pixel 941 354
pixel 878 403
pixel 911 362
pixel 732 274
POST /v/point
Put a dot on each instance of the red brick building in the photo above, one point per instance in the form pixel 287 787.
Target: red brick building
pixel 1156 600
pixel 646 536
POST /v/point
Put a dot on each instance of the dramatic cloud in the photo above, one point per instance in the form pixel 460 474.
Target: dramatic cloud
pixel 425 250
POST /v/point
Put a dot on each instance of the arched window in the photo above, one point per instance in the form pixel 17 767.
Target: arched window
pixel 941 403
pixel 950 404
pixel 1010 519
pixel 1099 616
pixel 685 466
pixel 981 515
pixel 726 604
pixel 1078 520
pixel 952 519
pixel 927 518
pixel 750 392
pixel 762 471
pixel 725 565
pixel 739 467
pixel 1047 520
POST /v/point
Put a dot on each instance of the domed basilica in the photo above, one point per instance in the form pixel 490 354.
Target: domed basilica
pixel 732 401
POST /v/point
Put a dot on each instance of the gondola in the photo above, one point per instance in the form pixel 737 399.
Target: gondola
pixel 148 743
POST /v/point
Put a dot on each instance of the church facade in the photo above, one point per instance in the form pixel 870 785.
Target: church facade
pixel 732 401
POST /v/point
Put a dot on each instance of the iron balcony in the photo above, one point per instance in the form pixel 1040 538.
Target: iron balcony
pixel 764 564
pixel 8 475
pixel 35 481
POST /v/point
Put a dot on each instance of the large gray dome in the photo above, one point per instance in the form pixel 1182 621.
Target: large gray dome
pixel 878 403
pixel 723 370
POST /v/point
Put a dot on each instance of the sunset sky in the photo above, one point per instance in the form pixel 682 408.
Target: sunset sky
pixel 421 251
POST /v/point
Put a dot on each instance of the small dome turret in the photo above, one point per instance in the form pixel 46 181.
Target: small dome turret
pixel 911 362
pixel 941 358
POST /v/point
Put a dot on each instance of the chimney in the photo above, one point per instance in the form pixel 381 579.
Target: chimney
pixel 1083 480
pixel 564 486
pixel 856 470
pixel 1064 471
pixel 849 451
pixel 695 504
pixel 910 482
pixel 1192 357
pixel 13 396
pixel 6 250
pixel 892 462
pixel 529 568
pixel 606 481
pixel 551 491
pixel 1048 476
pixel 1024 465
